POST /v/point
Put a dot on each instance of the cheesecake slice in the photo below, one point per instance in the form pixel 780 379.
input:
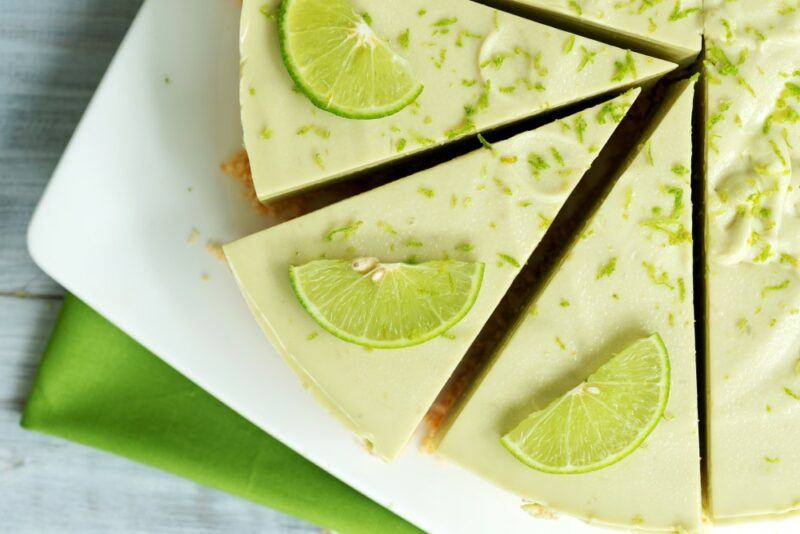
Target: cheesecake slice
pixel 491 206
pixel 627 275
pixel 752 254
pixel 671 29
pixel 480 69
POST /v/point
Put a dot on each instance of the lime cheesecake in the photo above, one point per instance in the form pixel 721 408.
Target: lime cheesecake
pixel 622 447
pixel 480 215
pixel 476 68
pixel 752 253
pixel 668 28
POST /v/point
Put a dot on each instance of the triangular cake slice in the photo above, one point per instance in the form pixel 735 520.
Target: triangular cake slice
pixel 492 206
pixel 752 213
pixel 628 275
pixel 669 29
pixel 480 68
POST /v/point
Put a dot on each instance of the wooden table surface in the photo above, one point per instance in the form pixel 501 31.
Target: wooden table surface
pixel 52 55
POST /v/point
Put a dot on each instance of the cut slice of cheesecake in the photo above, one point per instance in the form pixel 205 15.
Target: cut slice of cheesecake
pixel 492 206
pixel 480 69
pixel 626 276
pixel 752 257
pixel 669 29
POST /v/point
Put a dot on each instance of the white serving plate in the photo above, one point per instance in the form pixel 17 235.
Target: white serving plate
pixel 140 173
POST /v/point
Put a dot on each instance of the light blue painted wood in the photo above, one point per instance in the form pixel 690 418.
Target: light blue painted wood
pixel 52 56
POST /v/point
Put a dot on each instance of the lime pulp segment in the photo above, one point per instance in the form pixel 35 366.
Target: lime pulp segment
pixel 339 63
pixel 389 305
pixel 602 420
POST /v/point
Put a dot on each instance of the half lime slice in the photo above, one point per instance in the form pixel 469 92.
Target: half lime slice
pixel 601 421
pixel 339 63
pixel 386 305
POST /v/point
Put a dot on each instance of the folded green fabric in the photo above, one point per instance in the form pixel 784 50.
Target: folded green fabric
pixel 98 387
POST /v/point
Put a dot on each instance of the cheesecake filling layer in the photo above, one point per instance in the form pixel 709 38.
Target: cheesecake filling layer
pixel 753 246
pixel 667 29
pixel 492 206
pixel 628 275
pixel 481 68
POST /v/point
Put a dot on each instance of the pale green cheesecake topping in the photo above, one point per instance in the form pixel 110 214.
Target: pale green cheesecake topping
pixel 753 245
pixel 479 67
pixel 489 207
pixel 673 27
pixel 627 276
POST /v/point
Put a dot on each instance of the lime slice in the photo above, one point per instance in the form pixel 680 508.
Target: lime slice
pixel 389 305
pixel 602 420
pixel 338 61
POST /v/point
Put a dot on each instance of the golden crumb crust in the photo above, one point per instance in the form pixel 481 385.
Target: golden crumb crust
pixel 238 168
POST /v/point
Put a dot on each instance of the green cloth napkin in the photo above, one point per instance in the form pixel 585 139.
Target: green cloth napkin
pixel 98 387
